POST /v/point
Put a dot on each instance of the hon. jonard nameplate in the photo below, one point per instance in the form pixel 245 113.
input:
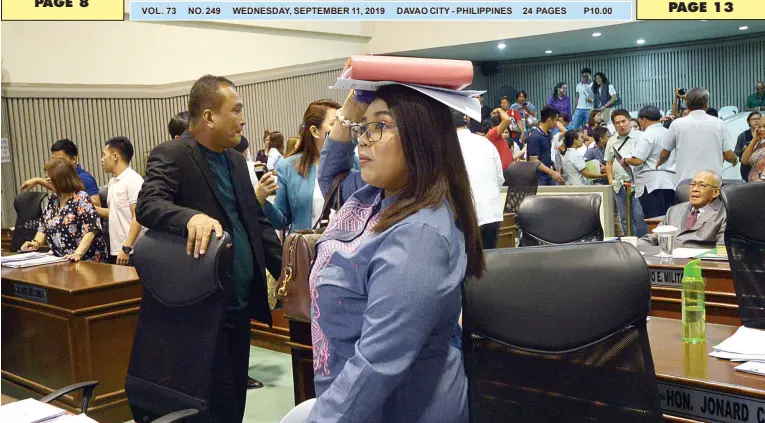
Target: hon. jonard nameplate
pixel 709 406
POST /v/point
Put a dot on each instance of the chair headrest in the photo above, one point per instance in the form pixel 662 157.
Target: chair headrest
pixel 744 205
pixel 560 219
pixel 683 190
pixel 596 288
pixel 522 174
pixel 29 204
pixel 174 277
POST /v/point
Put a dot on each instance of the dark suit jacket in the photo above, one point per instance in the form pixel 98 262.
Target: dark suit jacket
pixel 179 184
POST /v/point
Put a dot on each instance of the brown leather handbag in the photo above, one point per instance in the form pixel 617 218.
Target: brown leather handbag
pixel 292 291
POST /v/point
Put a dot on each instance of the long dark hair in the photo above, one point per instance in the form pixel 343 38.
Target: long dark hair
pixel 595 87
pixel 435 167
pixel 314 116
pixel 557 87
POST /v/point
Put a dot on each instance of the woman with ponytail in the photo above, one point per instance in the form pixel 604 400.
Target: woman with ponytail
pixel 299 199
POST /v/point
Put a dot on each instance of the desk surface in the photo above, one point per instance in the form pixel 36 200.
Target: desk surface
pixel 678 264
pixel 72 277
pixel 691 365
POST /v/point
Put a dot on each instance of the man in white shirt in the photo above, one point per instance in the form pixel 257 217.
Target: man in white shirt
pixel 484 169
pixel 122 196
pixel 701 140
pixel 620 145
pixel 584 99
pixel 654 184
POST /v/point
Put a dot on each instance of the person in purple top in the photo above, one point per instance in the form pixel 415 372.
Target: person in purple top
pixel 387 275
pixel 559 100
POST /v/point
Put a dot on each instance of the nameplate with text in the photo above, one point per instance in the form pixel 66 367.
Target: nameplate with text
pixel 710 406
pixel 666 277
pixel 31 293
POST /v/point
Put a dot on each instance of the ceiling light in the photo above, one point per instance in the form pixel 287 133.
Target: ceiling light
pixel 641 41
pixel 596 34
pixel 501 46
pixel 743 28
pixel 548 51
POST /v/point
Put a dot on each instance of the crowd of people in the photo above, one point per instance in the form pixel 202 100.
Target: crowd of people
pixel 379 320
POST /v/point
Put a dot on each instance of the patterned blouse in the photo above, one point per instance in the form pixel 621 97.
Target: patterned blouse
pixel 757 163
pixel 65 226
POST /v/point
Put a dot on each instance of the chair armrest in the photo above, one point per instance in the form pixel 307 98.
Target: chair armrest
pixel 177 416
pixel 87 393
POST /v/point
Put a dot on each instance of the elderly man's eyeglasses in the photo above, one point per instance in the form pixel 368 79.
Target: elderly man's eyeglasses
pixel 701 185
pixel 372 130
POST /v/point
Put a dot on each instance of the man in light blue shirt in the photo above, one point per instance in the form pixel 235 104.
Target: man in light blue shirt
pixel 654 183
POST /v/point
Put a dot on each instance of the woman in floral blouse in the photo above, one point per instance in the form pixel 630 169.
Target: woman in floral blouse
pixel 69 223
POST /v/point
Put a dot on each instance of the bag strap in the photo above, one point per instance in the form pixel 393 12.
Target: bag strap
pixel 334 190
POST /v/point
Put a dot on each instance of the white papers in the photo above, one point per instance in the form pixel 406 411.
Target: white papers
pixel 738 357
pixel 20 261
pixel 29 411
pixel 22 256
pixel 753 367
pixel 460 100
pixel 686 253
pixel 744 341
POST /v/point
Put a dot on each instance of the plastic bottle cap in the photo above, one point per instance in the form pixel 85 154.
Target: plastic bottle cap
pixel 692 269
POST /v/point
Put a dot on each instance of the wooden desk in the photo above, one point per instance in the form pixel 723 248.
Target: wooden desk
pixel 507 231
pixel 688 378
pixel 71 322
pixel 721 303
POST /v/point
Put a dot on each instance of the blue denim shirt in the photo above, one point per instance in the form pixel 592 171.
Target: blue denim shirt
pixel 385 309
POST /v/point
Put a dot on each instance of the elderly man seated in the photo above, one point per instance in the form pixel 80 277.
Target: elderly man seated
pixel 701 221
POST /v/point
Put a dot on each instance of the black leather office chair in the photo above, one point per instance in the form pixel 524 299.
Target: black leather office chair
pixel 558 334
pixel 87 393
pixel 745 242
pixel 103 194
pixel 182 310
pixel 521 180
pixel 28 206
pixel 683 190
pixel 560 219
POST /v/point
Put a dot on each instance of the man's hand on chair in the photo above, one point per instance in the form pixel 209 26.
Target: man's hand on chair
pixel 201 227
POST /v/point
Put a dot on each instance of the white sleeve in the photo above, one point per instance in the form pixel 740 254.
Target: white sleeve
pixel 668 142
pixel 578 161
pixel 498 166
pixel 728 142
pixel 132 190
pixel 611 90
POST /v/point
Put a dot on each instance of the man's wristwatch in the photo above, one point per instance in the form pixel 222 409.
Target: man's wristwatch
pixel 126 249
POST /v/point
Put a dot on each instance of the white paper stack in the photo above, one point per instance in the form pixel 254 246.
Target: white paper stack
pixel 29 411
pixel 19 261
pixel 746 344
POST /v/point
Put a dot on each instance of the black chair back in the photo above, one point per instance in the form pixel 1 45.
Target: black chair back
pixel 560 219
pixel 559 334
pixel 28 206
pixel 745 242
pixel 103 194
pixel 182 310
pixel 521 180
pixel 683 190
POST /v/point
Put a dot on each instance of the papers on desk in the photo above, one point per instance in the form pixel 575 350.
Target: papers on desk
pixel 69 418
pixel 753 367
pixel 686 253
pixel 29 411
pixel 19 261
pixel 746 344
pixel 712 255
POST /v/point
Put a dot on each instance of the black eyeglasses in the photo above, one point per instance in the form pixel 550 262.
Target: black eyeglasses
pixel 372 130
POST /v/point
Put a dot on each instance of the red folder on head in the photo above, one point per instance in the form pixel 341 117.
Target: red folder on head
pixel 452 74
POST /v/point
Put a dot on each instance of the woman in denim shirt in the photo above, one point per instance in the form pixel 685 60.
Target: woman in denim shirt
pixel 386 280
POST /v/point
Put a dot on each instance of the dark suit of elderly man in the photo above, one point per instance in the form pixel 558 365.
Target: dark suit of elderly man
pixel 701 221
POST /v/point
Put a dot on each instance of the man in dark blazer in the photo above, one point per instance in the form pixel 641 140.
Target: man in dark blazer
pixel 197 186
pixel 701 221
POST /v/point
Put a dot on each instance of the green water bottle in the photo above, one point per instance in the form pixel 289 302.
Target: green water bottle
pixel 694 310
